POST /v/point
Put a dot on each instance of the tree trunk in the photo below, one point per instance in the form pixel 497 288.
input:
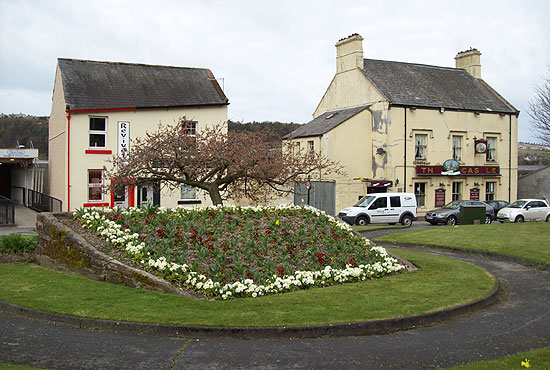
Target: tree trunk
pixel 215 195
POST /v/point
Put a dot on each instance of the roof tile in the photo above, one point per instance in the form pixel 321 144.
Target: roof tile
pixel 102 85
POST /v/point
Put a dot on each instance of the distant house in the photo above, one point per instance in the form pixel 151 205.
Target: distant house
pixel 98 108
pixel 442 133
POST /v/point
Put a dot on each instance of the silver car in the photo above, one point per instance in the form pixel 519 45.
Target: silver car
pixel 525 210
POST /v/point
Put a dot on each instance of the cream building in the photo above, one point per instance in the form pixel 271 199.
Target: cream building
pixel 98 108
pixel 441 133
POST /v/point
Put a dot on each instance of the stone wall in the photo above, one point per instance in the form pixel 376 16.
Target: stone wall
pixel 62 248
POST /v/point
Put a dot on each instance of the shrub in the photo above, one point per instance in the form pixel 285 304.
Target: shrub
pixel 15 243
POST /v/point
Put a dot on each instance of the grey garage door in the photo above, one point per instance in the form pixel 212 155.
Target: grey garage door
pixel 321 195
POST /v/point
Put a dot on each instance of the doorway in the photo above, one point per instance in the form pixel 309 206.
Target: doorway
pixel 149 194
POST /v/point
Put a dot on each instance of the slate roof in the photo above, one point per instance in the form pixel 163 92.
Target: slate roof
pixel 421 85
pixel 89 85
pixel 326 122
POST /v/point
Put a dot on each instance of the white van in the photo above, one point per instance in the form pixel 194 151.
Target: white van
pixel 382 208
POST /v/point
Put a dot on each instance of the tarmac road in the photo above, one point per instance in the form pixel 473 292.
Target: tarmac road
pixel 520 321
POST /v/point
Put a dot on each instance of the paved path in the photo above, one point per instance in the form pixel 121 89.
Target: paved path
pixel 25 222
pixel 519 322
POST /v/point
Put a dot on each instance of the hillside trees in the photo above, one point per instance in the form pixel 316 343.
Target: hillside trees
pixel 24 129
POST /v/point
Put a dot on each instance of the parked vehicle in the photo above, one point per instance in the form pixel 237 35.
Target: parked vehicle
pixel 382 208
pixel 497 204
pixel 450 211
pixel 525 210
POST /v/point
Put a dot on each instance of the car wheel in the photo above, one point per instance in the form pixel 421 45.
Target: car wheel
pixel 406 220
pixel 548 218
pixel 488 219
pixel 362 221
pixel 452 220
pixel 519 219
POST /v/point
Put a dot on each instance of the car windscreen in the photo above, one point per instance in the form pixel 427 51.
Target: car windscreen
pixel 453 205
pixel 365 201
pixel 517 204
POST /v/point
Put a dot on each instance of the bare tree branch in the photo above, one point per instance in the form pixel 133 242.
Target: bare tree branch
pixel 238 164
pixel 539 110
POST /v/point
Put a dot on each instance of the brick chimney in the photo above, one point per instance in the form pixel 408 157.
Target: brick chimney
pixel 470 60
pixel 349 53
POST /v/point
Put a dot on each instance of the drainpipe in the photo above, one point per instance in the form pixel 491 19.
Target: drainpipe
pixel 405 153
pixel 68 160
pixel 510 163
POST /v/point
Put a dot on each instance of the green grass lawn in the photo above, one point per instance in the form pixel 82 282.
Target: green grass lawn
pixel 378 227
pixel 538 359
pixel 439 283
pixel 527 240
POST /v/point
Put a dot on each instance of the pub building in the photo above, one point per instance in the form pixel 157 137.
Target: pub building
pixel 441 133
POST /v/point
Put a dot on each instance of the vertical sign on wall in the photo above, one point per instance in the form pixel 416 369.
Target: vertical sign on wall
pixel 474 194
pixel 439 197
pixel 123 137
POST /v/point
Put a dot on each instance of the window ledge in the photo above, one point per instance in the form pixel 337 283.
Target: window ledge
pixel 189 201
pixel 98 151
pixel 102 204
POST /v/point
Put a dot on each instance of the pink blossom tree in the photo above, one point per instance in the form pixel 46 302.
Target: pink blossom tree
pixel 231 165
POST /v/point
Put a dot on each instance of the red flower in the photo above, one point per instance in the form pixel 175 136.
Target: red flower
pixel 281 271
pixel 350 262
pixel 229 218
pixel 161 233
pixel 268 231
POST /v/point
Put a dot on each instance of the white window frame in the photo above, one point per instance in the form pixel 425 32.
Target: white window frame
pixel 420 146
pixel 491 149
pixel 490 190
pixel 190 128
pixel 94 185
pixel 311 146
pixel 457 147
pixel 420 193
pixel 97 132
pixel 188 192
pixel 456 187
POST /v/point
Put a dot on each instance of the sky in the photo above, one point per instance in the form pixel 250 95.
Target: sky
pixel 274 59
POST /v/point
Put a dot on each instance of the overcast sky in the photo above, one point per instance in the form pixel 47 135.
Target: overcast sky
pixel 276 58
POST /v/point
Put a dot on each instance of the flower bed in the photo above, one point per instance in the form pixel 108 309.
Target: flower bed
pixel 226 252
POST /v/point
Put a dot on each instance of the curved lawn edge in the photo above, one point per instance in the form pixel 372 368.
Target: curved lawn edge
pixel 374 327
pixel 497 256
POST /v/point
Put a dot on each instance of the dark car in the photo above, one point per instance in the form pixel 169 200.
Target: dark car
pixel 497 204
pixel 450 211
